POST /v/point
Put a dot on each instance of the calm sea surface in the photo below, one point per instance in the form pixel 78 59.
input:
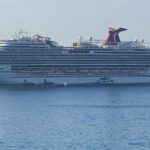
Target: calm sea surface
pixel 75 118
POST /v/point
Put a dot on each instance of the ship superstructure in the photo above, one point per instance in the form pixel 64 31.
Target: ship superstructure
pixel 39 60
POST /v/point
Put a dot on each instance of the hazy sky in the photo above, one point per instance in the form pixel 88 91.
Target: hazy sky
pixel 66 20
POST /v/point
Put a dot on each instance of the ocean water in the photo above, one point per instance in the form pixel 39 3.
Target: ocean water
pixel 75 118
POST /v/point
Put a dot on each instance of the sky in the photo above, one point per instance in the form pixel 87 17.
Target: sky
pixel 65 20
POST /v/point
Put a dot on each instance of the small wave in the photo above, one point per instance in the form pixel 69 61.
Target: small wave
pixel 136 144
pixel 101 106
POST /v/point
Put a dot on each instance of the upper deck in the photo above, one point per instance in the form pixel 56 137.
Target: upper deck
pixel 36 43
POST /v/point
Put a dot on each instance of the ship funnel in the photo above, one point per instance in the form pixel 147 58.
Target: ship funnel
pixel 113 37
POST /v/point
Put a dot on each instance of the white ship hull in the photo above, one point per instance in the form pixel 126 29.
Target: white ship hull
pixel 39 60
pixel 75 80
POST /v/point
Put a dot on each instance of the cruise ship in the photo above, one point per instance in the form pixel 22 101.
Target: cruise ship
pixel 40 60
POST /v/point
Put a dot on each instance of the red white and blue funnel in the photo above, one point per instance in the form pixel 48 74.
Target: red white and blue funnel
pixel 113 37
